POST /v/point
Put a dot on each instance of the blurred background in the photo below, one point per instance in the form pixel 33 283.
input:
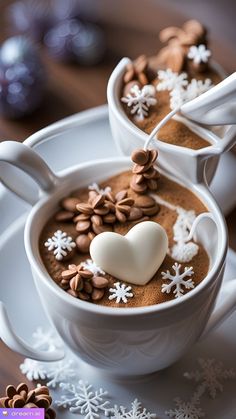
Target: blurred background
pixel 62 63
pixel 62 54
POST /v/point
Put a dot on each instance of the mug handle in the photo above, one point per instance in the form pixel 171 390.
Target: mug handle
pixel 223 309
pixel 21 156
pixel 226 300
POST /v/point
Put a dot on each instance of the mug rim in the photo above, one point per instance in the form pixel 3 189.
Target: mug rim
pixel 199 190
pixel 116 107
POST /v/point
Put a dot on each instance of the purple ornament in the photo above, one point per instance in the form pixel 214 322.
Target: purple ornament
pixel 74 40
pixel 22 78
pixel 30 17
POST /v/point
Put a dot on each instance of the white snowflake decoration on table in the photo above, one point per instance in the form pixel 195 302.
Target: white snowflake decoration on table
pixel 178 280
pixel 169 80
pixel 186 410
pixel 210 376
pixel 140 100
pixel 33 370
pixel 136 412
pixel 61 371
pixel 46 340
pixel 82 398
pixel 199 54
pixel 91 266
pixel 60 243
pixel 121 292
pixel 94 187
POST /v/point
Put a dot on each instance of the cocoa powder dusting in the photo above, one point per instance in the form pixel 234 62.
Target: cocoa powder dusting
pixel 150 293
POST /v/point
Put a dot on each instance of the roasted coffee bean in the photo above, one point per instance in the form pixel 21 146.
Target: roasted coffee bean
pixel 99 282
pixel 63 216
pixel 83 243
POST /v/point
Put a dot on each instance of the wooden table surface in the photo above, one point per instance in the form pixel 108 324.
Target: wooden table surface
pixel 71 89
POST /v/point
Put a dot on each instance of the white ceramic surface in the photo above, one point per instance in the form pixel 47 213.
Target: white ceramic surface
pixel 156 391
pixel 195 165
pixel 145 336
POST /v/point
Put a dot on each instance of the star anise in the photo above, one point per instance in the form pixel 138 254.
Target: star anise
pixel 22 397
pixel 122 208
pixel 145 176
pixel 83 284
pixel 178 41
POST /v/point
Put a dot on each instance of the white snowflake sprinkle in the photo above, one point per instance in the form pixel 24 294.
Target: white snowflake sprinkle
pixel 83 399
pixel 136 412
pixel 186 410
pixel 180 95
pixel 210 376
pixel 91 266
pixel 94 187
pixel 178 280
pixel 121 292
pixel 140 100
pixel 199 54
pixel 33 370
pixel 60 243
pixel 196 87
pixel 60 372
pixel 46 340
pixel 169 80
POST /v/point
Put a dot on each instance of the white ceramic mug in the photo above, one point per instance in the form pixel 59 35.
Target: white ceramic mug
pixel 196 165
pixel 122 341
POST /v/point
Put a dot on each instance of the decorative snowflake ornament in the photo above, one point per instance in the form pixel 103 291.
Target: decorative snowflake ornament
pixel 46 340
pixel 140 100
pixel 169 80
pixel 186 410
pixel 180 95
pixel 91 266
pixel 121 292
pixel 60 243
pixel 178 280
pixel 199 54
pixel 61 372
pixel 136 412
pixel 33 370
pixel 196 87
pixel 210 376
pixel 94 187
pixel 82 399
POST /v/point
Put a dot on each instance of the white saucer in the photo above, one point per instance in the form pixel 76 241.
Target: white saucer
pixel 157 391
pixel 88 136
